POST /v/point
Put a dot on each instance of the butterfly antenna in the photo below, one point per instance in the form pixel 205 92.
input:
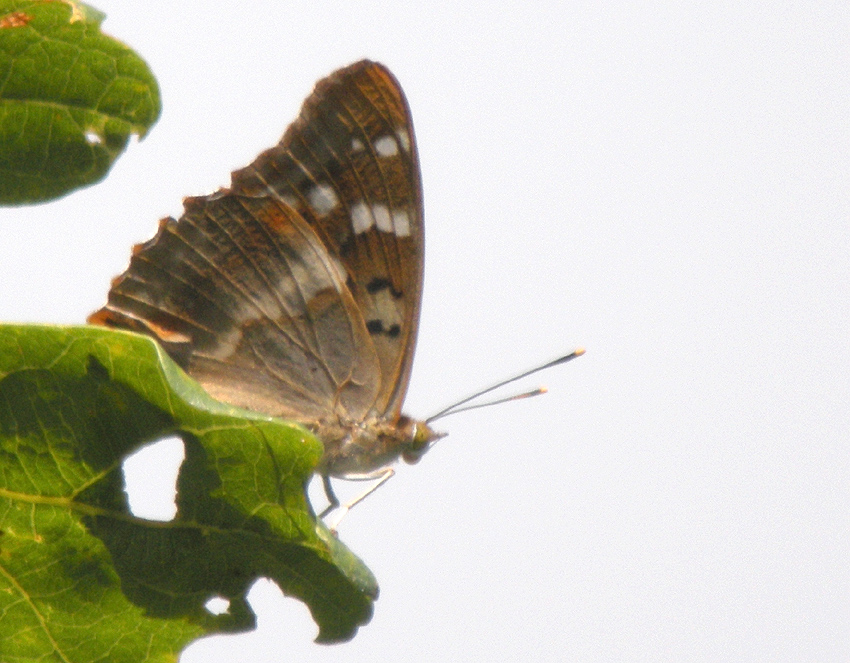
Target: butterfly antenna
pixel 454 408
pixel 506 399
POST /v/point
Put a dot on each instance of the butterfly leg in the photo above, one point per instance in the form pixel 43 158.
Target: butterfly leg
pixel 333 501
pixel 381 476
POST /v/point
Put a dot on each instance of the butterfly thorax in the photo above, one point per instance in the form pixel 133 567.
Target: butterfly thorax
pixel 359 447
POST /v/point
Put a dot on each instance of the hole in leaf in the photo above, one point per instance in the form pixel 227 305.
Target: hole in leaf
pixel 150 479
pixel 217 605
pixel 93 138
pixel 275 614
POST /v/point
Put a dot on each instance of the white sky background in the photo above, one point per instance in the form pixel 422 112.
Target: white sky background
pixel 665 184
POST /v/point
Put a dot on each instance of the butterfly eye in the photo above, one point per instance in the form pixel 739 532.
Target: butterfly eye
pixel 413 456
pixel 421 438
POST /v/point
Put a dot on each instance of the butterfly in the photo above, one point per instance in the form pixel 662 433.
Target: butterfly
pixel 296 291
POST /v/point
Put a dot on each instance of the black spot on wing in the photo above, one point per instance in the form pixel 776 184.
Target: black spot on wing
pixel 377 284
pixel 377 327
pixel 380 283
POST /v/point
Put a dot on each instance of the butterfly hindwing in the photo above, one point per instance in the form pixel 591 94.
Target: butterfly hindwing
pixel 242 293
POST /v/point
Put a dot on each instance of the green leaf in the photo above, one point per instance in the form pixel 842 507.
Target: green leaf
pixel 81 578
pixel 70 98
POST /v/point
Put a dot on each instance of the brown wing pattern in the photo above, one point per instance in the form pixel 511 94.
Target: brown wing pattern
pixel 243 294
pixel 349 165
pixel 296 292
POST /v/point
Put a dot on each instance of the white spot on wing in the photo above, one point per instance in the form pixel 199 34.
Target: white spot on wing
pixel 357 145
pixel 386 146
pixel 403 138
pixel 308 281
pixel 382 218
pixel 361 218
pixel 93 138
pixel 401 223
pixel 364 217
pixel 322 199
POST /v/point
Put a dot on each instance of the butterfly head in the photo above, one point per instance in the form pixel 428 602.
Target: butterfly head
pixel 419 437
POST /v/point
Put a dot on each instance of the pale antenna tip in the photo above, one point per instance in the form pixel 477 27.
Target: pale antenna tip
pixel 578 352
pixel 529 394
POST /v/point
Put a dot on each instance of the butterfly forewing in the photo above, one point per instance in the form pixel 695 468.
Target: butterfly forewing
pixel 296 291
pixel 349 165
